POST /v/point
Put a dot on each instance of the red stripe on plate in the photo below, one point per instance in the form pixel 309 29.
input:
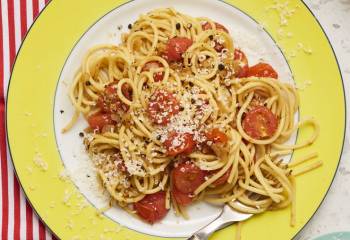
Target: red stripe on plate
pixel 3 152
pixel 12 40
pixel 17 209
pixel 23 5
pixel 42 232
pixel 29 221
pixel 16 188
pixel 35 8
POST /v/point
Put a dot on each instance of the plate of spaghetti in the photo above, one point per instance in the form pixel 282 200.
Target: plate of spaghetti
pixel 155 114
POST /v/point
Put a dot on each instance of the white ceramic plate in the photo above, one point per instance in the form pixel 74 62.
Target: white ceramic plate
pixel 247 34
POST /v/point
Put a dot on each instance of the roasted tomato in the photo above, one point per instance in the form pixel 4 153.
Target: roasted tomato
pixel 187 177
pixel 179 143
pixel 152 207
pixel 181 198
pixel 162 106
pixel 218 46
pixel 260 123
pixel 223 179
pixel 219 27
pixel 109 101
pixel 176 47
pixel 262 70
pixel 99 120
pixel 241 64
pixel 158 76
pixel 216 136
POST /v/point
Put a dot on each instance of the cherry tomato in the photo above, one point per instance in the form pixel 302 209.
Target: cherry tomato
pixel 176 47
pixel 152 207
pixel 216 136
pixel 262 70
pixel 127 91
pixel 241 64
pixel 219 27
pixel 158 76
pixel 179 143
pixel 223 179
pixel 260 123
pixel 187 177
pixel 182 199
pixel 218 46
pixel 109 101
pixel 162 106
pixel 99 120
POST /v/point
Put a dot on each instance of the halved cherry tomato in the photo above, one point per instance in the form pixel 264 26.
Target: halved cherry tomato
pixel 179 143
pixel 99 120
pixel 262 70
pixel 218 46
pixel 219 27
pixel 152 207
pixel 187 177
pixel 176 47
pixel 223 179
pixel 162 106
pixel 109 101
pixel 182 199
pixel 216 136
pixel 127 91
pixel 260 123
pixel 158 76
pixel 241 64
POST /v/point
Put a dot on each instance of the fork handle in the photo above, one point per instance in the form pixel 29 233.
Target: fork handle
pixel 205 232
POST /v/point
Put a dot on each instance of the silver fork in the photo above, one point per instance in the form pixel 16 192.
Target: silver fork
pixel 227 217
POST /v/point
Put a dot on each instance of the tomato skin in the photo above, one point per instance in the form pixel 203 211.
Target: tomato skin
pixel 162 106
pixel 187 177
pixel 223 179
pixel 262 70
pixel 158 76
pixel 99 120
pixel 219 27
pixel 218 46
pixel 152 207
pixel 260 123
pixel 109 101
pixel 241 62
pixel 216 136
pixel 183 199
pixel 127 91
pixel 176 47
pixel 179 143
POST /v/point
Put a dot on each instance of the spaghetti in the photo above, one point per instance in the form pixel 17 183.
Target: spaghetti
pixel 177 115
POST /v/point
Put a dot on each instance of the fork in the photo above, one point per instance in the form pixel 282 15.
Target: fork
pixel 227 217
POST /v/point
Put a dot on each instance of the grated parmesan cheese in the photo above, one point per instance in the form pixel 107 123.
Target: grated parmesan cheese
pixel 67 196
pixel 70 224
pixel 29 169
pixel 283 10
pixel 39 162
pixel 134 167
pixel 63 175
